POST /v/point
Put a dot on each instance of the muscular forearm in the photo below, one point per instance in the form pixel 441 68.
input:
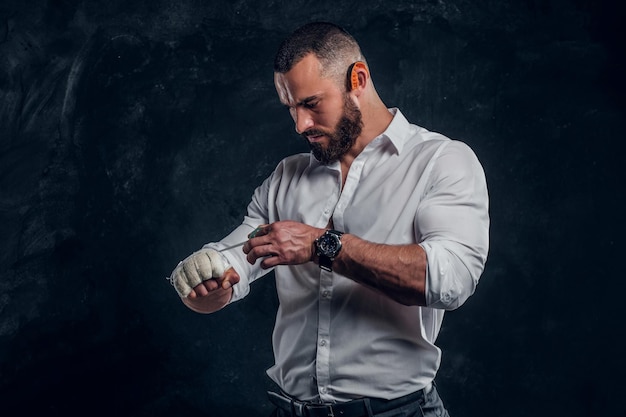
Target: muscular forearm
pixel 399 271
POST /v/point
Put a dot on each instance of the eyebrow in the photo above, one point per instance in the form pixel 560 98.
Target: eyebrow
pixel 304 101
pixel 309 99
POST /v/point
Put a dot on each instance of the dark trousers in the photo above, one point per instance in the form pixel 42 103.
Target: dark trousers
pixel 429 404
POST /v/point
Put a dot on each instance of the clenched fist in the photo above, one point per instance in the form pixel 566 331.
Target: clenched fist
pixel 200 266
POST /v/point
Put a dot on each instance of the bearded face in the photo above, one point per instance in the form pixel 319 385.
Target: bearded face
pixel 341 139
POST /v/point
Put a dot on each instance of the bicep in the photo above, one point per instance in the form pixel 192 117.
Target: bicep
pixel 452 224
pixel 456 203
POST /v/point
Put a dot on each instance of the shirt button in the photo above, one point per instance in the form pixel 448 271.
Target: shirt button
pixel 323 390
pixel 326 294
pixel 323 343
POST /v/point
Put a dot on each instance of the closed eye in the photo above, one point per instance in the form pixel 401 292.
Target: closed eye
pixel 311 105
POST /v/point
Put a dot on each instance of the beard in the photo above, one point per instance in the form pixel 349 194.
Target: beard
pixel 341 139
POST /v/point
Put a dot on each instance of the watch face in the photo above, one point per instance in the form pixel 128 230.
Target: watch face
pixel 329 245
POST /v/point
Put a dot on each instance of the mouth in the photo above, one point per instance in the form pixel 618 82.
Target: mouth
pixel 314 137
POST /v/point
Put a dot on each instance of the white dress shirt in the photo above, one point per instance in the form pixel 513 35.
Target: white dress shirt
pixel 335 340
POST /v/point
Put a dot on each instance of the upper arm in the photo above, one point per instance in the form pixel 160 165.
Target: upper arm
pixel 453 223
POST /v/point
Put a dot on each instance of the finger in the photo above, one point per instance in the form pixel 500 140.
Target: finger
pixel 254 242
pixel 270 262
pixel 190 272
pixel 200 290
pixel 210 285
pixel 259 231
pixel 265 251
pixel 217 264
pixel 255 253
pixel 262 230
pixel 205 288
pixel 230 278
pixel 203 266
pixel 180 282
pixel 259 247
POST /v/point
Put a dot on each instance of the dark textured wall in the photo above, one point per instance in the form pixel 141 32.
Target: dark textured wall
pixel 132 132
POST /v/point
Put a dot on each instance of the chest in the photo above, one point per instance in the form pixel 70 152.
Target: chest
pixel 376 198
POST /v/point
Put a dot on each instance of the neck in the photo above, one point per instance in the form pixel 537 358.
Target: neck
pixel 376 118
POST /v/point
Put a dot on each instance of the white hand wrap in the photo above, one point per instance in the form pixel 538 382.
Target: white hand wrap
pixel 200 266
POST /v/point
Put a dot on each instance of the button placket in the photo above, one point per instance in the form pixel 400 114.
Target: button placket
pixel 323 334
pixel 349 188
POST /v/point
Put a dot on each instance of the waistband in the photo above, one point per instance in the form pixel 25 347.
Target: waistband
pixel 356 408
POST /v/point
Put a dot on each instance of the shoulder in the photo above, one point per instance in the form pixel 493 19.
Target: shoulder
pixel 291 167
pixel 296 160
pixel 438 145
pixel 456 164
pixel 458 154
pixel 293 164
pixel 442 155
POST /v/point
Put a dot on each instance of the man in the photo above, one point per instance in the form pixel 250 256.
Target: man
pixel 372 236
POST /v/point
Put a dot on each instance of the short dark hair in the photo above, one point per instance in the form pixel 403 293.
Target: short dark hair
pixel 333 46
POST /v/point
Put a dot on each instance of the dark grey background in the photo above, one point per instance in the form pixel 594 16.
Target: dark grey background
pixel 134 131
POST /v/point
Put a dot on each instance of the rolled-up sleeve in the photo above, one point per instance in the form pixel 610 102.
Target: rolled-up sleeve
pixel 256 216
pixel 452 224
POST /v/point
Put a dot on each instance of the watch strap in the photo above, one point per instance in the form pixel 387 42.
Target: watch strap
pixel 326 262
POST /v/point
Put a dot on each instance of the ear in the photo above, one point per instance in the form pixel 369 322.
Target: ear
pixel 357 75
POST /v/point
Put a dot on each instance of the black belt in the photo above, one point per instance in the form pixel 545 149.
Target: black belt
pixel 354 408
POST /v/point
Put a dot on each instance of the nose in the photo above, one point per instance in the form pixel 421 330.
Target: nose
pixel 302 120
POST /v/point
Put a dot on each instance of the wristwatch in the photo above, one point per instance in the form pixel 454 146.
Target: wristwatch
pixel 327 248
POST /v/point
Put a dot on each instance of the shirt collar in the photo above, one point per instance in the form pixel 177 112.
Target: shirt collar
pixel 398 130
pixel 397 133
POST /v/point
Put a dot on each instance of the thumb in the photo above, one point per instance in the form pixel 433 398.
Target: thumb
pixel 230 278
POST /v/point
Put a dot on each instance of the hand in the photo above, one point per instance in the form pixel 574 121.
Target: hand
pixel 283 243
pixel 202 272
